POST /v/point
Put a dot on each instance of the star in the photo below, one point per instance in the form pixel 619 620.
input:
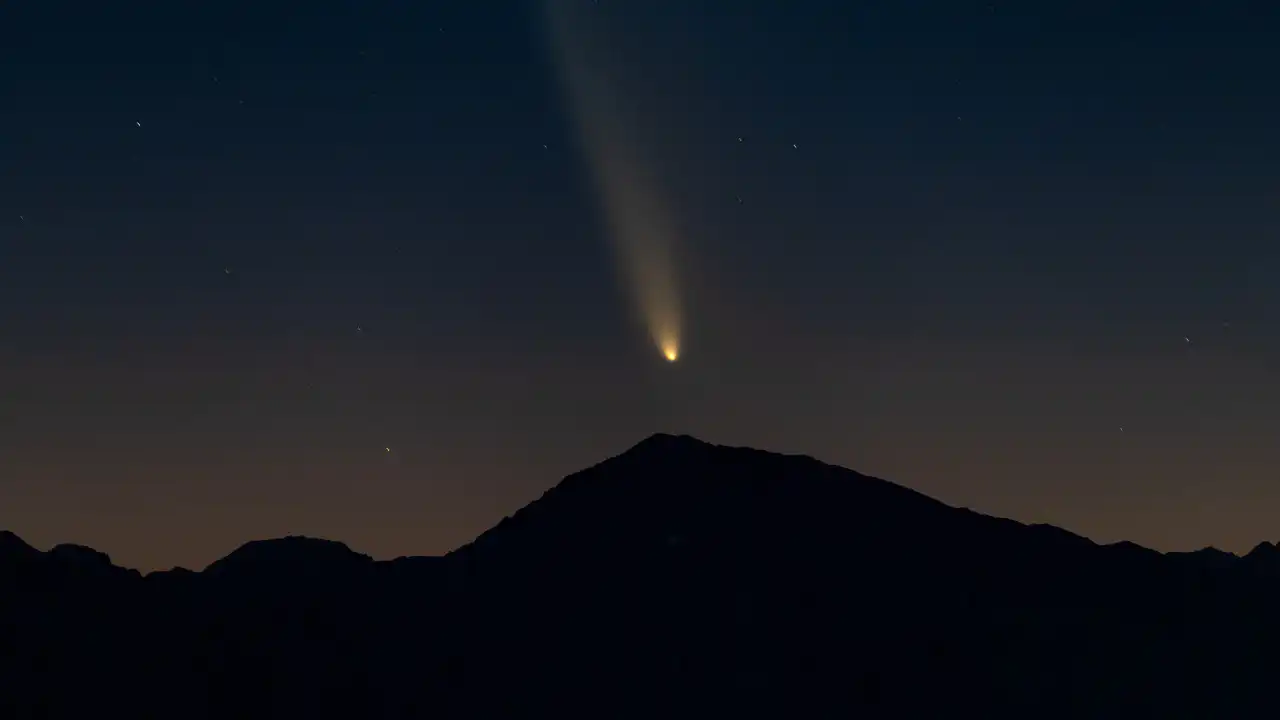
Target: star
pixel 226 270
pixel 795 146
pixel 739 139
pixel 137 123
pixel 1187 339
pixel 388 449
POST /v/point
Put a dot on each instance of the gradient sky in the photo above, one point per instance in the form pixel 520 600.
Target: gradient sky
pixel 246 247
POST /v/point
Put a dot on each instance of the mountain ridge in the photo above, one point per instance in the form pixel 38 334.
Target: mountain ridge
pixel 660 443
pixel 676 579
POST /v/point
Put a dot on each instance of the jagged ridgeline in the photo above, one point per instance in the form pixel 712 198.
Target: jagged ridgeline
pixel 677 579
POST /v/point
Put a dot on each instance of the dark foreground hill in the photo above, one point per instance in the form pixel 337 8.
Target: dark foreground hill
pixel 679 579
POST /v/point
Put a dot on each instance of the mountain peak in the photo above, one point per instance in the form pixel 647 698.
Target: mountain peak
pixel 666 444
pixel 80 555
pixel 1265 550
pixel 12 545
pixel 677 488
pixel 291 555
pixel 661 438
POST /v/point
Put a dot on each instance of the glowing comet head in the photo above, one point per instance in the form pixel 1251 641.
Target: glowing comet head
pixel 668 346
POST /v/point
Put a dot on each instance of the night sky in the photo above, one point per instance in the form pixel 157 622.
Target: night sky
pixel 354 269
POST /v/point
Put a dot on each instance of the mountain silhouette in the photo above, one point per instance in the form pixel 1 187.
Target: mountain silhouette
pixel 676 579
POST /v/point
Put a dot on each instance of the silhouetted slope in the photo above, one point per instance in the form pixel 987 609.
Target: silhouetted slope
pixel 707 547
pixel 676 579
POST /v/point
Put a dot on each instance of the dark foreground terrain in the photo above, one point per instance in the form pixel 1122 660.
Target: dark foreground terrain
pixel 679 579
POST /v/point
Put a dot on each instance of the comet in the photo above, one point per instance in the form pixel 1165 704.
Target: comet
pixel 639 221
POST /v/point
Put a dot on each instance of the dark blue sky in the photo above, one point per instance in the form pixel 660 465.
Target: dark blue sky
pixel 245 248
